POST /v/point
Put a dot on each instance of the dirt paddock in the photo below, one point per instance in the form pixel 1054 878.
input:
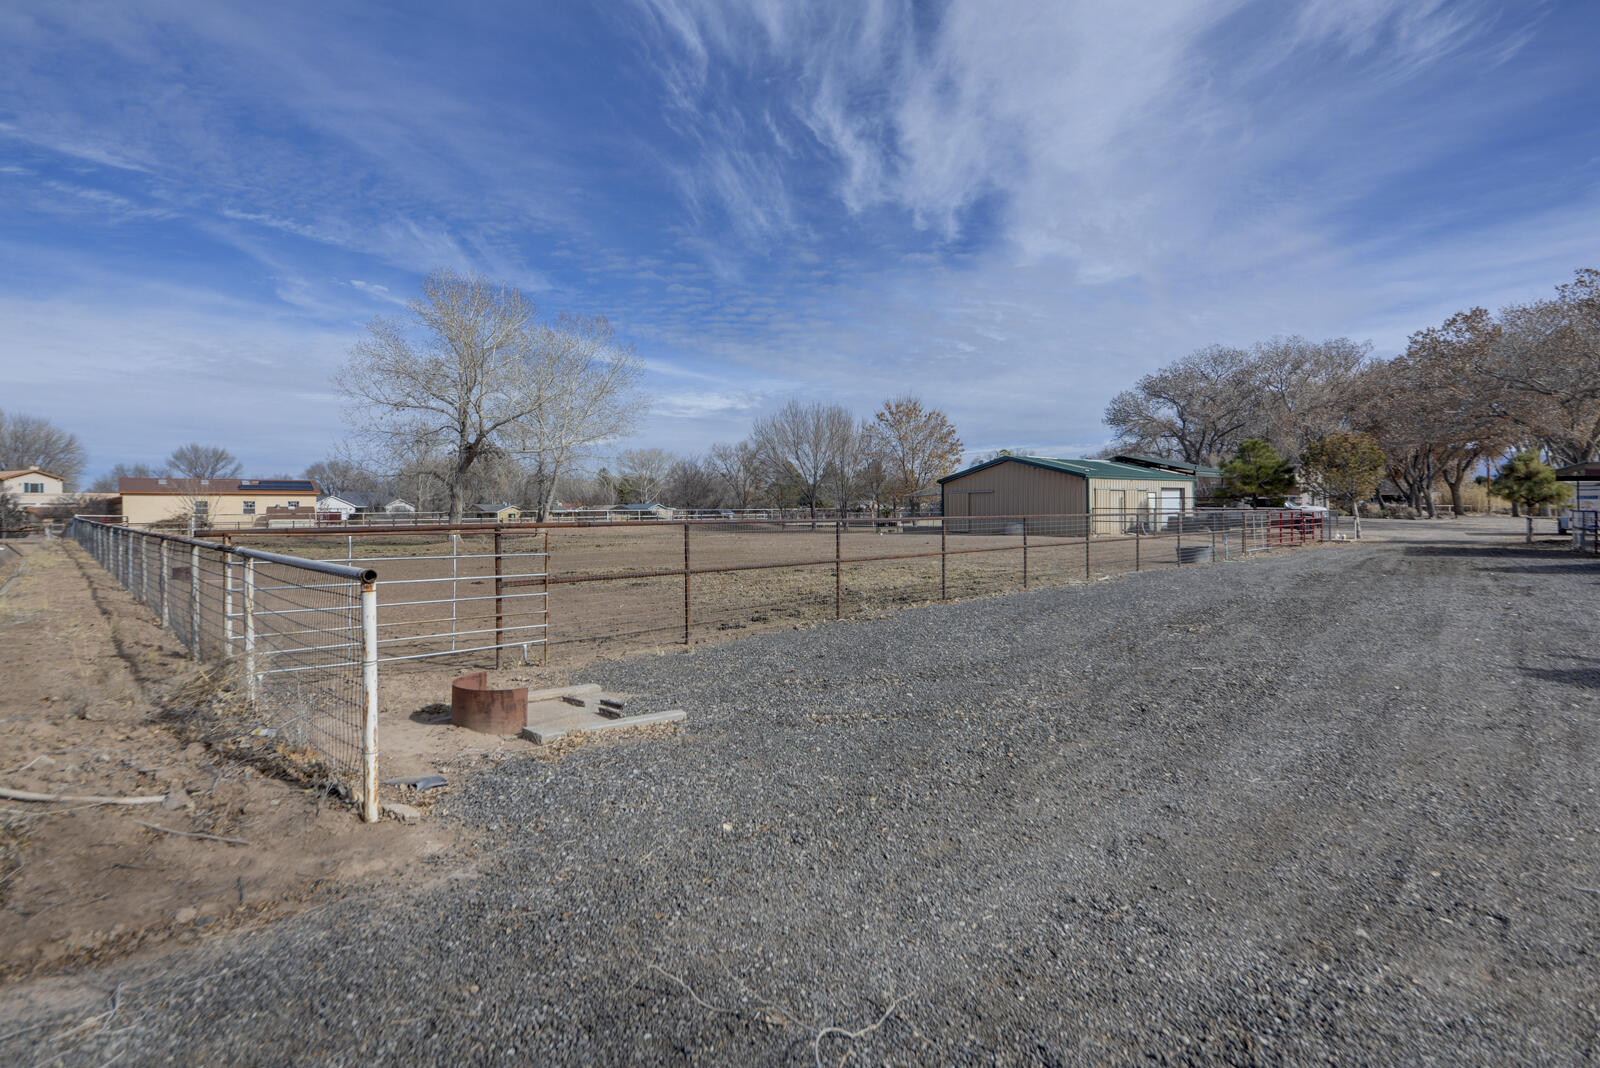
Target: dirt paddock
pixel 619 588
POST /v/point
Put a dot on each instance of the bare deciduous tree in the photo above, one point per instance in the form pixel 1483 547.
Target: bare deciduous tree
pixel 587 393
pixel 1200 407
pixel 843 476
pixel 343 473
pixel 111 480
pixel 642 475
pixel 914 445
pixel 1442 379
pixel 798 442
pixel 738 468
pixel 693 484
pixel 195 460
pixel 29 441
pixel 457 373
pixel 1544 372
pixel 1304 388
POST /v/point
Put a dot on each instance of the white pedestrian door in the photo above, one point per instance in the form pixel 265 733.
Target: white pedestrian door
pixel 1171 504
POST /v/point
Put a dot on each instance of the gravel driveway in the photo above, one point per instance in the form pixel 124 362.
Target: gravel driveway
pixel 1332 803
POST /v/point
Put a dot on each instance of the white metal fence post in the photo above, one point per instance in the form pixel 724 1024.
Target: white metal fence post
pixel 369 701
pixel 194 601
pixel 166 575
pixel 250 629
pixel 455 556
pixel 227 607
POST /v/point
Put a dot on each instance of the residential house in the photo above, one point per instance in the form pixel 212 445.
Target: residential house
pixel 339 507
pixel 30 487
pixel 216 502
pixel 503 512
pixel 44 496
pixel 645 510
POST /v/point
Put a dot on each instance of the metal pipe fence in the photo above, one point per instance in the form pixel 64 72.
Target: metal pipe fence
pixel 1586 530
pixel 608 585
pixel 301 634
pixel 452 592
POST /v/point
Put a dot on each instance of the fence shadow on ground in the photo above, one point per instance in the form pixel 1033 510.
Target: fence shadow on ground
pixel 1587 678
pixel 1585 566
pixel 1545 550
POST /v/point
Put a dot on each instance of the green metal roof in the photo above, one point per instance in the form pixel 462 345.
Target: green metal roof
pixel 1081 468
pixel 1588 471
pixel 1200 470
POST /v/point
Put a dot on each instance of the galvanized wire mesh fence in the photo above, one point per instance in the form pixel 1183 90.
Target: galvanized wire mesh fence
pixel 619 586
pixel 446 592
pixel 301 636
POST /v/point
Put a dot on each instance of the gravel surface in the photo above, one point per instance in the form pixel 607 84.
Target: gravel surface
pixel 1334 803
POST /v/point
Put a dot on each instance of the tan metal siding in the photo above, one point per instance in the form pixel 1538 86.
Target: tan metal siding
pixel 1131 496
pixel 1021 489
pixel 1015 489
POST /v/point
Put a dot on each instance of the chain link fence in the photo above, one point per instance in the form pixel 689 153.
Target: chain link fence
pixel 299 636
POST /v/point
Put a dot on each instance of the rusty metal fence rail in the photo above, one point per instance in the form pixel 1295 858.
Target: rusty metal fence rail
pixel 301 634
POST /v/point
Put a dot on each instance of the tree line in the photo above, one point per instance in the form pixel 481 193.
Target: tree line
pixel 1464 397
pixel 811 456
pixel 472 396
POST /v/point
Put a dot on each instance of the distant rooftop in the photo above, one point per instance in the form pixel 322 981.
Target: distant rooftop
pixel 1198 470
pixel 1083 468
pixel 202 486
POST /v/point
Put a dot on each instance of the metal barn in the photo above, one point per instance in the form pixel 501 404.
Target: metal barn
pixel 1117 496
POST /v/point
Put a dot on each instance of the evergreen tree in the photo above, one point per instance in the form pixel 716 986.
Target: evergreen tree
pixel 1528 481
pixel 1258 474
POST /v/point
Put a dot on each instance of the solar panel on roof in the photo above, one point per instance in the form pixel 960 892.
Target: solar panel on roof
pixel 281 484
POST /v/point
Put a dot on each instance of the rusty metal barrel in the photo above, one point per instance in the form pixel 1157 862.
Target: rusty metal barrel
pixel 477 707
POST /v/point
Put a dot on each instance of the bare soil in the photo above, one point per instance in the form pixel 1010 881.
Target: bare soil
pixel 622 589
pixel 83 681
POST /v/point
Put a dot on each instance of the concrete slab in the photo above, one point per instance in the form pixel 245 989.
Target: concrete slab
pixel 549 720
pixel 558 692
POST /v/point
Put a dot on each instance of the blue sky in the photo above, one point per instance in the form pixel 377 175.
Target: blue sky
pixel 1011 209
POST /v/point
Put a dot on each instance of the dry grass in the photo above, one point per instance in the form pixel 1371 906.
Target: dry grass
pixel 209 706
pixel 14 832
